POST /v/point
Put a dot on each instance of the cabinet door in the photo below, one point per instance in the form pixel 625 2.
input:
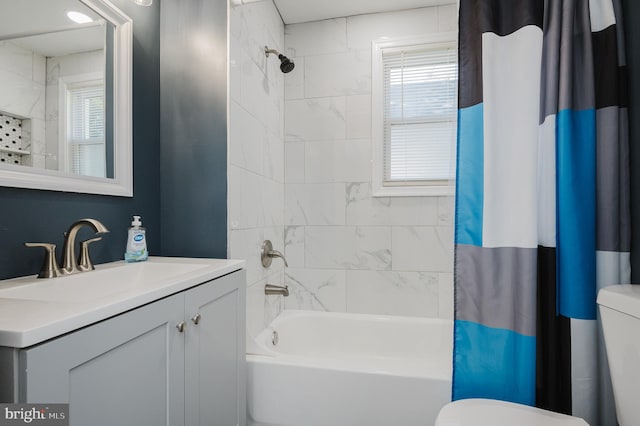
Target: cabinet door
pixel 127 370
pixel 215 353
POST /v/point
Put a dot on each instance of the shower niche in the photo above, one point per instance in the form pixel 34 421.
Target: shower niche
pixel 14 140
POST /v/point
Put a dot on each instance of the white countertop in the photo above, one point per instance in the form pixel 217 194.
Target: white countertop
pixel 34 310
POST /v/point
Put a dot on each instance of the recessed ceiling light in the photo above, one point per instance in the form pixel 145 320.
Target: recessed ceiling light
pixel 78 18
pixel 143 2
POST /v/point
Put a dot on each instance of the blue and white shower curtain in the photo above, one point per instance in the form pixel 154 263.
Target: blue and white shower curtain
pixel 542 200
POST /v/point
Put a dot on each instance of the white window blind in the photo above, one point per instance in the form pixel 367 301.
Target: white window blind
pixel 86 130
pixel 419 113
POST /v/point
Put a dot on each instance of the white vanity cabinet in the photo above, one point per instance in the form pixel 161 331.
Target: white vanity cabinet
pixel 179 360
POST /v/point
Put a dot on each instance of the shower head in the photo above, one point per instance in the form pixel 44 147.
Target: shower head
pixel 286 64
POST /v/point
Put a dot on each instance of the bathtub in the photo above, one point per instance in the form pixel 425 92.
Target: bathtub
pixel 334 369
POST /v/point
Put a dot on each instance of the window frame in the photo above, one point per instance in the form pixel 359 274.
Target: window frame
pixel 408 189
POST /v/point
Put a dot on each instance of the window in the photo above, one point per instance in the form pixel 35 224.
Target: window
pixel 82 125
pixel 414 115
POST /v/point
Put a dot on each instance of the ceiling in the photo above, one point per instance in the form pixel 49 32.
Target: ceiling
pixel 42 26
pixel 297 11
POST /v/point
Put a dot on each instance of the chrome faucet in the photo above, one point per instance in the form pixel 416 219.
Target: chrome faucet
pixel 69 263
pixel 69 266
pixel 268 253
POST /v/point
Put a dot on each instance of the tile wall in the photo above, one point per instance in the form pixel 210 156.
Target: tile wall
pixel 88 65
pixel 348 251
pixel 22 95
pixel 256 152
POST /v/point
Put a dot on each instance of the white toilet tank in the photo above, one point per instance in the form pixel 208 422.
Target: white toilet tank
pixel 620 315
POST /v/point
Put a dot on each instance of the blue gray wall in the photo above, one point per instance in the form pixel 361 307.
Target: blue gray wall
pixel 631 13
pixel 31 215
pixel 193 128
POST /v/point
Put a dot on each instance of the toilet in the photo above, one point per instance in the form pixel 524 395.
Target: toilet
pixel 620 316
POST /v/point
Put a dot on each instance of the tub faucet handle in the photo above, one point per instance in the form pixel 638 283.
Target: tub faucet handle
pixel 268 253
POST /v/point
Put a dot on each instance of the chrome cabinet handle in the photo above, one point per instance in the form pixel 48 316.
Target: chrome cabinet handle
pixel 181 325
pixel 196 319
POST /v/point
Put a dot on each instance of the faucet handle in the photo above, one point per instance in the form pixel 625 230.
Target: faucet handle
pixel 268 253
pixel 84 260
pixel 49 268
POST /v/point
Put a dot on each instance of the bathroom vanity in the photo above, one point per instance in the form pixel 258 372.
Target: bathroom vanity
pixel 161 342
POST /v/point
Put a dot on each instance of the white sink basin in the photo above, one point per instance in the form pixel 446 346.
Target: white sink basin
pixel 33 310
pixel 103 282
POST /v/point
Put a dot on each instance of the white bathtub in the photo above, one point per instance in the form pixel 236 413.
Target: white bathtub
pixel 331 369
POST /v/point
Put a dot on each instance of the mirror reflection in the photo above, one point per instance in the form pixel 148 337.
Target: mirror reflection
pixel 55 87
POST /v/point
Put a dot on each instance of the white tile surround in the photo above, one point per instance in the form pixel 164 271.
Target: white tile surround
pixel 256 152
pixel 22 95
pixel 299 172
pixel 349 251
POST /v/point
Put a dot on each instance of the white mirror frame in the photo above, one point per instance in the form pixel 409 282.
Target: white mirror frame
pixel 122 182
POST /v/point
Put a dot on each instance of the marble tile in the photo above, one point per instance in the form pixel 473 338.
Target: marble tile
pixel 445 295
pixel 446 209
pixel 272 200
pixel 294 246
pixel 246 139
pixel 294 162
pixel 37 135
pixel 338 161
pixel 294 81
pixel 255 310
pixel 315 119
pixel 273 304
pixel 261 26
pixel 348 247
pixel 16 60
pixel 259 98
pixel 448 18
pixel 236 54
pixel 363 209
pixel 393 293
pixel 39 64
pixel 315 204
pixel 414 211
pixel 273 167
pixel 422 248
pixel 318 290
pixel 51 148
pixel 38 161
pixel 20 96
pixel 338 74
pixel 362 29
pixel 316 38
pixel 246 244
pixel 245 199
pixel 276 235
pixel 359 117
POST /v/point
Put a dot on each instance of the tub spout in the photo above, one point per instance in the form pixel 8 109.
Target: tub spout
pixel 268 253
pixel 270 289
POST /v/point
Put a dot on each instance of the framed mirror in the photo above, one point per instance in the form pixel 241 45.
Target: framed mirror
pixel 65 96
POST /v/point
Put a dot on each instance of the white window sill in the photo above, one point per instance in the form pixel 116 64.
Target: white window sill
pixel 414 191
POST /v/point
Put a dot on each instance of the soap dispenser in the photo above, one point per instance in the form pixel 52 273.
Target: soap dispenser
pixel 136 242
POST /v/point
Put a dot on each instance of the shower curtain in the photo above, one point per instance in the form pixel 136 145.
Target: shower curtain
pixel 542 200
